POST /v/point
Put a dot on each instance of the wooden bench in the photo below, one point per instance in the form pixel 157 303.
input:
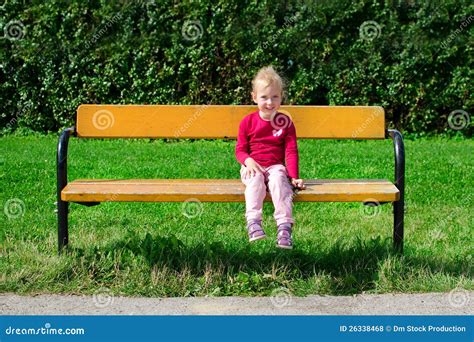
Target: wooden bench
pixel 216 122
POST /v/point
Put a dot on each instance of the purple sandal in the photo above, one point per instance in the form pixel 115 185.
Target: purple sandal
pixel 255 231
pixel 284 236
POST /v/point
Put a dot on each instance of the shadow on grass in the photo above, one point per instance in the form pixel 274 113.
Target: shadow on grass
pixel 346 269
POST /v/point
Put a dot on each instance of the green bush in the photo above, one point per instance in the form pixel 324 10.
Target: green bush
pixel 415 58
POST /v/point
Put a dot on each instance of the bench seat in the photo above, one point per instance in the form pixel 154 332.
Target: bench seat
pixel 222 190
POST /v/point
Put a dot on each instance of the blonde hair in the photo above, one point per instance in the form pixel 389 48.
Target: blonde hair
pixel 268 76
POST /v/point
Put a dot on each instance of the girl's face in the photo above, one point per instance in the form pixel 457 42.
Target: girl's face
pixel 268 99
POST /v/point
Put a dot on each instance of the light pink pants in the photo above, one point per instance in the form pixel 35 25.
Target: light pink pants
pixel 275 179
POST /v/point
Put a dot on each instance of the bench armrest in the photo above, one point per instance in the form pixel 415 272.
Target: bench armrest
pixel 398 206
pixel 399 151
pixel 61 161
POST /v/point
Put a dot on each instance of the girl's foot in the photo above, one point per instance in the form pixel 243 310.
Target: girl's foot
pixel 284 236
pixel 255 231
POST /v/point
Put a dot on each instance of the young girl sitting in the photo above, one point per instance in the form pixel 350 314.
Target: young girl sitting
pixel 268 152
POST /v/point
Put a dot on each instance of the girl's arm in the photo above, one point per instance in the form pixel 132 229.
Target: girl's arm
pixel 292 158
pixel 291 153
pixel 242 146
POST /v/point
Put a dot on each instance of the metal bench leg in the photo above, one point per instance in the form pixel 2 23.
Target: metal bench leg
pixel 398 206
pixel 63 235
pixel 63 207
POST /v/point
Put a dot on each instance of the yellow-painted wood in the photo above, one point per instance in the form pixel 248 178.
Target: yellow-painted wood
pixel 215 121
pixel 222 190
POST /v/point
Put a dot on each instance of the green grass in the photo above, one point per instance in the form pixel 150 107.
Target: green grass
pixel 152 249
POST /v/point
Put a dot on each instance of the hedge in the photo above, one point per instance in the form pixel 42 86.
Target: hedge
pixel 415 58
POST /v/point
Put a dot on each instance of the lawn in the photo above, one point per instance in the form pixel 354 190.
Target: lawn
pixel 154 249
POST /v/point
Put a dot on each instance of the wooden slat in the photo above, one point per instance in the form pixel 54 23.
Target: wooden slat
pixel 214 121
pixel 222 190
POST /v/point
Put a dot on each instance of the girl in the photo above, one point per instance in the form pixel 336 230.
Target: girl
pixel 267 150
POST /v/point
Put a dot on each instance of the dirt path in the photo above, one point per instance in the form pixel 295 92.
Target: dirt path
pixel 456 302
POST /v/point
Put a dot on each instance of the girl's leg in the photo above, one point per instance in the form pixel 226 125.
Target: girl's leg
pixel 282 194
pixel 255 192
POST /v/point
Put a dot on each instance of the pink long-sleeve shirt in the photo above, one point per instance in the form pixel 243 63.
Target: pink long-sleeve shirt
pixel 267 143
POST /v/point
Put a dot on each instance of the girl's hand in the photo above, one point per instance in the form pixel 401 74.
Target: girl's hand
pixel 252 167
pixel 298 183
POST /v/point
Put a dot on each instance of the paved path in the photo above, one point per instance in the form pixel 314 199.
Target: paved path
pixel 456 302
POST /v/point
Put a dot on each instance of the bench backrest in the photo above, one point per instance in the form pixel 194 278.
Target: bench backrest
pixel 215 121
